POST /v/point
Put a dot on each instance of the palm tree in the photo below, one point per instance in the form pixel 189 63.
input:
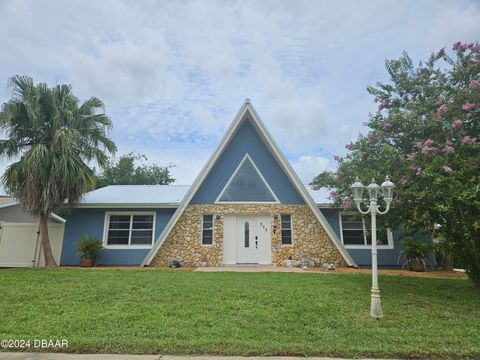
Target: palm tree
pixel 55 138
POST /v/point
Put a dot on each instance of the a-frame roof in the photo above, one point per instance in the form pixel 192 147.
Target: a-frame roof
pixel 248 110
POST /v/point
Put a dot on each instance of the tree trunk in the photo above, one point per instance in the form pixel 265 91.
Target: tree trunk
pixel 447 261
pixel 47 250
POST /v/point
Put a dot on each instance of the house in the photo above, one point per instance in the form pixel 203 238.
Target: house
pixel 247 206
pixel 19 240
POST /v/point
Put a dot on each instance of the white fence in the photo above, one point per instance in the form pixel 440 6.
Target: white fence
pixel 20 244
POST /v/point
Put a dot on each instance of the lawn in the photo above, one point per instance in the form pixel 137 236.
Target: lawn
pixel 183 312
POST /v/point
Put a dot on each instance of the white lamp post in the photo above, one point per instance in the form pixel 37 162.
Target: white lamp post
pixel 386 190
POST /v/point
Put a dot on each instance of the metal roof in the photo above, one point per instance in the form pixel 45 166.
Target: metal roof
pixel 136 194
pixel 157 195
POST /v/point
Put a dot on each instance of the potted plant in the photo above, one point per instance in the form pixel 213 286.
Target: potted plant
pixel 88 249
pixel 414 254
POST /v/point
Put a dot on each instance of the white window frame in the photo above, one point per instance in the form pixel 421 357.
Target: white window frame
pixel 365 246
pixel 213 231
pixel 291 229
pixel 247 156
pixel 131 214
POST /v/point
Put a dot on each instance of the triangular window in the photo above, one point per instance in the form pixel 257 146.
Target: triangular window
pixel 247 185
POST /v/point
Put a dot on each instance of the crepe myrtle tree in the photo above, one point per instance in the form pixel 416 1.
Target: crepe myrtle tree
pixel 54 137
pixel 425 135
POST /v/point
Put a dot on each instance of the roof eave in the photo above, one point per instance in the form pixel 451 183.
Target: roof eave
pixel 127 205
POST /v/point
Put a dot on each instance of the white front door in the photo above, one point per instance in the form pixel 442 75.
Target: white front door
pixel 247 239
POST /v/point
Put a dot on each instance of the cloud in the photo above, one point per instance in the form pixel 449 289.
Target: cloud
pixel 174 74
pixel 452 24
pixel 309 166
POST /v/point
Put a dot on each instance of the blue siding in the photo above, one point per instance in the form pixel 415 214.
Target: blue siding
pixel 91 221
pixel 247 140
pixel 363 257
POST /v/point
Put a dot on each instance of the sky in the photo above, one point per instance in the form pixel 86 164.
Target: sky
pixel 173 74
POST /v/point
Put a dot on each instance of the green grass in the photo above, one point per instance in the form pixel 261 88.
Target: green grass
pixel 182 312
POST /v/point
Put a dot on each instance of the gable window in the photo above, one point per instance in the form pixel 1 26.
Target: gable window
pixel 207 230
pixel 286 229
pixel 247 185
pixel 129 229
pixel 356 232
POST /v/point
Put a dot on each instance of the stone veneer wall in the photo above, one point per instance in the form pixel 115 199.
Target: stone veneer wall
pixel 184 241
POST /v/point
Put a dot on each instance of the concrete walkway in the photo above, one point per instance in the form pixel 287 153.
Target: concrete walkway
pixel 59 356
pixel 260 268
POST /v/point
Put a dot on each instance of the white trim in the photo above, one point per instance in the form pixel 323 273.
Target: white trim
pixel 57 218
pixel 291 230
pixel 131 214
pixel 257 122
pixel 366 246
pixel 201 233
pixel 247 156
pixel 9 203
pixel 52 216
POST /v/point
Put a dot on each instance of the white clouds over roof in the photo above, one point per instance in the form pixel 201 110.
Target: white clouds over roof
pixel 173 73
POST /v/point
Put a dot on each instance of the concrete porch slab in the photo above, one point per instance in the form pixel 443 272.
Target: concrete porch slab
pixel 254 269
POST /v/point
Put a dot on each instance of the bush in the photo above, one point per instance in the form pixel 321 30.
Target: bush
pixel 415 253
pixel 89 247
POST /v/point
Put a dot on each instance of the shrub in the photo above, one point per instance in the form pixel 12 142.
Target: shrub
pixel 89 247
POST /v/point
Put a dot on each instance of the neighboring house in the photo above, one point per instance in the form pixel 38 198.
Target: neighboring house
pixel 19 240
pixel 247 206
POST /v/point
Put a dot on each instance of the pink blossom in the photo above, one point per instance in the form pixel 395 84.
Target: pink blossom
pixel 428 142
pixel 370 139
pixel 340 175
pixel 460 46
pixel 440 100
pixel 468 106
pixel 427 150
pixel 467 140
pixel 410 157
pixel 345 204
pixel 333 193
pixel 437 117
pixel 416 169
pixel 449 149
pixel 447 169
pixel 404 181
pixel 337 157
pixel 457 124
pixel 349 146
pixel 474 84
pixel 387 126
pixel 443 109
pixel 383 105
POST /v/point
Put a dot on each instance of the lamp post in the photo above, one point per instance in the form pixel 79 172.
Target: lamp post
pixel 374 191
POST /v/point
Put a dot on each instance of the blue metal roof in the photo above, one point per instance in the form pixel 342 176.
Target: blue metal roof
pixel 157 195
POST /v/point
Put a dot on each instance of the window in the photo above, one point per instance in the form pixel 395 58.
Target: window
pixel 207 230
pixel 247 185
pixel 286 229
pixel 357 232
pixel 129 229
pixel 247 234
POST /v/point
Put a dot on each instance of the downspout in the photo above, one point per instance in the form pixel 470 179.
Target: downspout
pixel 36 259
